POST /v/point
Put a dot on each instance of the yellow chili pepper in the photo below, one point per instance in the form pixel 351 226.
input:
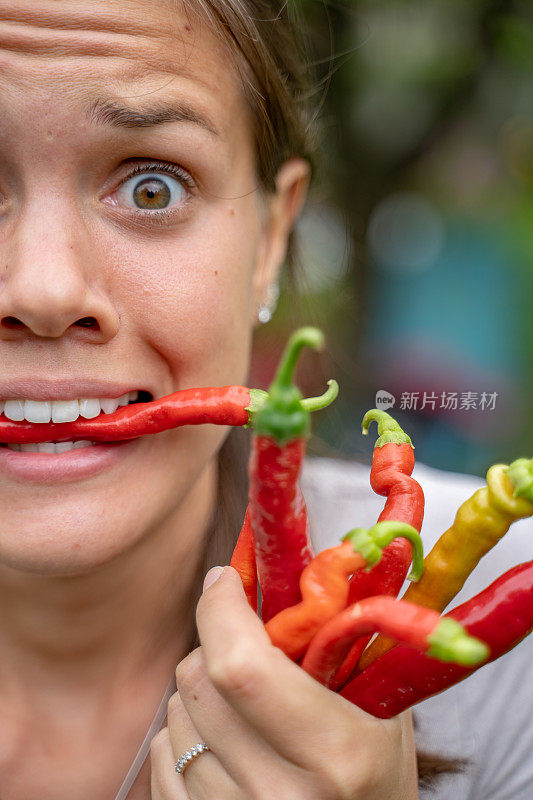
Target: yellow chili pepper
pixel 479 524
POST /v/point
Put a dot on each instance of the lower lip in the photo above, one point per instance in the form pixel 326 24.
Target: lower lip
pixel 84 462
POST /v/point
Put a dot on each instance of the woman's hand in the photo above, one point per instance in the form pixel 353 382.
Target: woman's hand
pixel 273 731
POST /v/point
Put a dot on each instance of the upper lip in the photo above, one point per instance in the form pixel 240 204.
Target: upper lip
pixel 38 389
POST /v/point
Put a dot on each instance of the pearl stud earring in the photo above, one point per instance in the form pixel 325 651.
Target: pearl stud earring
pixel 267 308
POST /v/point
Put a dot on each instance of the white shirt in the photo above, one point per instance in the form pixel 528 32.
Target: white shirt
pixel 486 719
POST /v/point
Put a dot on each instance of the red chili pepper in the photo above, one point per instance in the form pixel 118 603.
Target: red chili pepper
pixel 279 522
pixel 390 476
pixel 277 509
pixel 324 583
pixel 224 405
pixel 501 616
pixel 407 623
pixel 243 560
pixel 392 465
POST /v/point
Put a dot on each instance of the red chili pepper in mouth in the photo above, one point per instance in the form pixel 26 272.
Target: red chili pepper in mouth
pixel 276 504
pixel 406 623
pixel 225 405
pixel 501 615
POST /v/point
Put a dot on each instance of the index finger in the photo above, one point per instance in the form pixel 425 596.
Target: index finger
pixel 259 681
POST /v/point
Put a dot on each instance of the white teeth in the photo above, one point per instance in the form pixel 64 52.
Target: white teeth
pixel 90 408
pixel 109 405
pixel 14 410
pixel 36 411
pixel 64 447
pixel 42 447
pixel 63 410
pixel 50 447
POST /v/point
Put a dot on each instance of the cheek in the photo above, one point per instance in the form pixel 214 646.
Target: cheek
pixel 190 296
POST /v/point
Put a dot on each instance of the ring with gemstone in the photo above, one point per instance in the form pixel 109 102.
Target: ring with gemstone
pixel 189 755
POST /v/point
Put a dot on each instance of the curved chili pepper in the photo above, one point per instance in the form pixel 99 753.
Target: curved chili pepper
pixel 501 616
pixel 243 560
pixel 392 464
pixel 324 583
pixel 277 509
pixel 408 623
pixel 390 475
pixel 479 524
pixel 224 405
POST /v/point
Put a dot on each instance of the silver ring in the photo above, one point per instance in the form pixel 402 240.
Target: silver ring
pixel 189 755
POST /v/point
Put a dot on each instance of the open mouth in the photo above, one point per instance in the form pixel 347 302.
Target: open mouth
pixel 62 445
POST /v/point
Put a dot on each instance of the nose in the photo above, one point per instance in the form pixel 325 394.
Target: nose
pixel 50 282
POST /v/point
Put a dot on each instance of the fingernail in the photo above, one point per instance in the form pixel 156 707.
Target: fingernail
pixel 213 575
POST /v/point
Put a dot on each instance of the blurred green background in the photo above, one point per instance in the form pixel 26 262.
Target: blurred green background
pixel 417 241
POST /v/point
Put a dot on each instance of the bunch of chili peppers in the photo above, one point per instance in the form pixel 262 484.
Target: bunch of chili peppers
pixel 322 610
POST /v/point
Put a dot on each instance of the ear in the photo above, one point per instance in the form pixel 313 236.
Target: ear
pixel 282 209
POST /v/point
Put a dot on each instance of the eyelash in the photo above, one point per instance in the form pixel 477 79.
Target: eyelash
pixel 170 169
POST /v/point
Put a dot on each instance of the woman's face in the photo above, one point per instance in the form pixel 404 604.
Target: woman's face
pixel 128 196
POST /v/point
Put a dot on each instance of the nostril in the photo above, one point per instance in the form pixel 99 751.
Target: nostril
pixel 11 322
pixel 87 322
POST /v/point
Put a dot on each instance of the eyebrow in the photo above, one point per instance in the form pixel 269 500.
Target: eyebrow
pixel 106 112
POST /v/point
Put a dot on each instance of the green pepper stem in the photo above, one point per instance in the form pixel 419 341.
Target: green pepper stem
pixel 324 400
pixel 388 429
pixel 363 543
pixel 282 416
pixel 303 337
pixel 520 473
pixel 450 642
pixel 370 543
pixel 258 398
pixel 384 532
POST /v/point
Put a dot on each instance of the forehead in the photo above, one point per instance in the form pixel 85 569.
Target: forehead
pixel 88 51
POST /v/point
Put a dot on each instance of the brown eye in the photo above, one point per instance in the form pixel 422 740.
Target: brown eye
pixel 151 191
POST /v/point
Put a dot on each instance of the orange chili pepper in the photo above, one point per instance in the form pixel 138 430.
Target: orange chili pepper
pixel 324 583
pixel 243 560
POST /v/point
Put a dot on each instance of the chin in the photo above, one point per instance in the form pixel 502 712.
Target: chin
pixel 64 552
